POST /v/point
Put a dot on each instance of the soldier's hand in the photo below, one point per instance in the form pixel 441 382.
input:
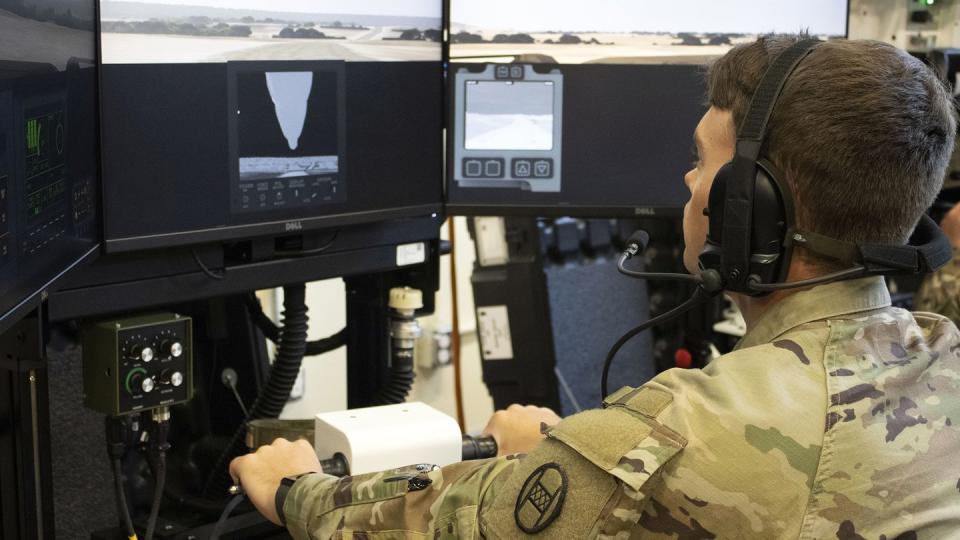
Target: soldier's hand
pixel 519 428
pixel 951 225
pixel 260 472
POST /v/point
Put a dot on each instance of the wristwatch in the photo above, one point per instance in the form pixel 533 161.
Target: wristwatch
pixel 282 491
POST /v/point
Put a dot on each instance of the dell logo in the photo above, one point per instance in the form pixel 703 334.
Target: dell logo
pixel 293 226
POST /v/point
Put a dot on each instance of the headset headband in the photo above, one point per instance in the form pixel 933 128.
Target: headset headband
pixel 738 207
pixel 927 251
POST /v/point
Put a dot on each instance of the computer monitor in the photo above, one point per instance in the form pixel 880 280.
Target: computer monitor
pixel 49 216
pixel 946 62
pixel 566 107
pixel 232 119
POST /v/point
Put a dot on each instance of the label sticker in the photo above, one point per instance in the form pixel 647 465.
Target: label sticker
pixel 408 254
pixel 494 329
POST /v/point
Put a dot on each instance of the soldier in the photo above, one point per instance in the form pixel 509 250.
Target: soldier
pixel 940 293
pixel 835 417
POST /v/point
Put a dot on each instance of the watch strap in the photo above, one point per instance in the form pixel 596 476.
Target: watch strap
pixel 283 490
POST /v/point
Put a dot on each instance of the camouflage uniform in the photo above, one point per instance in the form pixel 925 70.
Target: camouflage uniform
pixel 940 293
pixel 834 418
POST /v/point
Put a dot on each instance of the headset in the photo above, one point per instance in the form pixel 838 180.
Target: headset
pixel 752 232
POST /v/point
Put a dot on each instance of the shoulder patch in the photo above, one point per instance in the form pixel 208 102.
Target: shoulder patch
pixel 540 500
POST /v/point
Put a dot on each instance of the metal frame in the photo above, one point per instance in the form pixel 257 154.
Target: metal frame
pixel 26 485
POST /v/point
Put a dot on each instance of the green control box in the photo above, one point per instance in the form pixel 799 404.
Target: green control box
pixel 138 363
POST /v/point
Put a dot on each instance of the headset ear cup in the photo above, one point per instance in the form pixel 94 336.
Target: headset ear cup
pixel 772 221
pixel 710 258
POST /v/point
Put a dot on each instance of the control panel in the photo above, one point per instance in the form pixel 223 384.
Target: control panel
pixel 45 196
pixel 136 364
pixel 508 127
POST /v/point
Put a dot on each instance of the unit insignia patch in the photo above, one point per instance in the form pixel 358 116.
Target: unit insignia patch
pixel 541 498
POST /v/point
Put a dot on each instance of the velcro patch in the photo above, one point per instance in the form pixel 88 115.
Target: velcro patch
pixel 540 500
pixel 647 401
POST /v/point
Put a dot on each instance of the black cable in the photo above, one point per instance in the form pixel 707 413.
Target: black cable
pixel 856 271
pixel 203 268
pixel 621 266
pixel 123 509
pixel 160 478
pixel 157 447
pixel 119 436
pixel 308 252
pixel 272 332
pixel 231 506
pixel 275 393
pixel 325 345
pixel 698 295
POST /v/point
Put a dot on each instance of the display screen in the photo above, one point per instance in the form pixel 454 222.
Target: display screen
pixel 45 163
pixel 629 92
pixel 300 138
pixel 289 133
pixel 509 115
pixel 604 141
pixel 48 147
pixel 213 31
pixel 318 112
pixel 618 31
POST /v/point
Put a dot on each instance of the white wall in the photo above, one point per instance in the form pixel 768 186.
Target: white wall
pixel 887 20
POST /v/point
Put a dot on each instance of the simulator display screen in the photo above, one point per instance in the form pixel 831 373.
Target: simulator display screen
pixel 44 164
pixel 331 117
pixel 614 31
pixel 289 134
pixel 509 115
pixel 48 152
pixel 632 94
pixel 507 128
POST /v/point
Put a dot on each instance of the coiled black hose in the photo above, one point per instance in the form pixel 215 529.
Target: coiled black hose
pixel 401 380
pixel 274 394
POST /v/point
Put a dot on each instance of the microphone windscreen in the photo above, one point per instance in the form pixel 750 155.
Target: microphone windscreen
pixel 640 239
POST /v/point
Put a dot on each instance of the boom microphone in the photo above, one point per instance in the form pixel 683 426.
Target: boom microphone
pixel 709 280
pixel 708 283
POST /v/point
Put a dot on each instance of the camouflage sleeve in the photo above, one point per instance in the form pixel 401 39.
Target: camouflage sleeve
pixel 940 292
pixel 416 500
pixel 590 478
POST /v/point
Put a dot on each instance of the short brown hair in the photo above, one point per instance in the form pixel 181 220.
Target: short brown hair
pixel 863 133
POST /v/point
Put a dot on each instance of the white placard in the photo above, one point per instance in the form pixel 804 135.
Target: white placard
pixel 408 254
pixel 494 329
pixel 492 249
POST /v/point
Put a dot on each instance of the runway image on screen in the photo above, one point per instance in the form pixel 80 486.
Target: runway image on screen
pixel 508 115
pixel 189 31
pixel 629 32
pixel 290 93
pixel 288 139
